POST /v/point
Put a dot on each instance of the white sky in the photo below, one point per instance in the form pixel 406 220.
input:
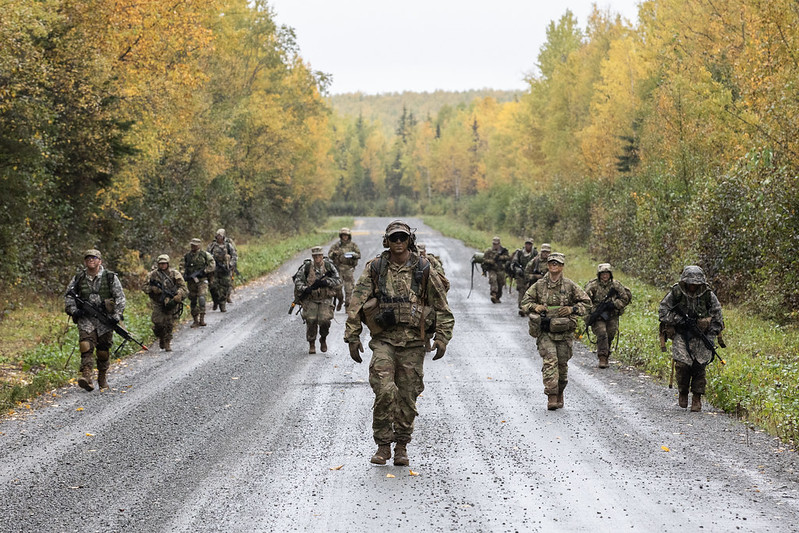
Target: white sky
pixel 377 46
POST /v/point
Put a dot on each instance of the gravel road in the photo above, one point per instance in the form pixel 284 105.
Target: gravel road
pixel 239 429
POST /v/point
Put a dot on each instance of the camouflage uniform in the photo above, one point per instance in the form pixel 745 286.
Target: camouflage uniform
pixel 494 262
pixel 166 309
pixel 537 267
pixel 556 348
pixel 105 292
pixel 225 257
pixel 436 263
pixel 606 329
pixel 197 266
pixel 345 255
pixel 518 262
pixel 396 369
pixel 690 355
pixel 317 306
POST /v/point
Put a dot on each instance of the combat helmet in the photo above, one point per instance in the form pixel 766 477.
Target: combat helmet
pixel 163 258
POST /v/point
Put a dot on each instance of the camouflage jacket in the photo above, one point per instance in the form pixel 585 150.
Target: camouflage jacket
pixel 563 292
pixel 495 259
pixel 535 269
pixel 171 280
pixel 224 255
pixel 598 291
pixel 197 262
pixel 521 258
pixel 398 292
pixel 308 273
pixel 104 291
pixel 344 254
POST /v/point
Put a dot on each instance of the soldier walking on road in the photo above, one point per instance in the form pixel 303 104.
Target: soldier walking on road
pixel 345 255
pixel 436 263
pixel 224 253
pixel 397 295
pixel 688 310
pixel 100 288
pixel 198 266
pixel 537 267
pixel 608 300
pixel 494 261
pixel 316 282
pixel 518 262
pixel 167 289
pixel 553 304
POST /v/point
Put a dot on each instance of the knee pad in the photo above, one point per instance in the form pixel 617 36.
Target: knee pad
pixel 85 346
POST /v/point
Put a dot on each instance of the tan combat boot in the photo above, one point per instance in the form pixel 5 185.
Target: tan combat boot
pixel 168 346
pixel 401 454
pixel 196 323
pixel 311 347
pixel 382 454
pixel 102 380
pixel 223 307
pixel 603 361
pixel 323 343
pixel 86 378
pixel 682 401
pixel 202 319
pixel 229 299
pixel 696 403
pixel 560 400
pixel 552 402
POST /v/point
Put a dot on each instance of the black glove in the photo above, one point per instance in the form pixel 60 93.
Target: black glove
pixel 78 313
pixel 441 348
pixel 355 347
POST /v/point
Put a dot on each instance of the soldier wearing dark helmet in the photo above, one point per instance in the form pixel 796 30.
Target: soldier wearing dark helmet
pixel 345 255
pixel 101 288
pixel 398 296
pixel 614 297
pixel 691 300
pixel 167 289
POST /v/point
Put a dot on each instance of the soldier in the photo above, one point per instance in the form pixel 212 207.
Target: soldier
pixel 608 300
pixel 518 262
pixel 494 260
pixel 689 309
pixel 315 284
pixel 345 255
pixel 537 267
pixel 102 289
pixel 224 253
pixel 198 265
pixel 436 263
pixel 398 294
pixel 554 303
pixel 167 289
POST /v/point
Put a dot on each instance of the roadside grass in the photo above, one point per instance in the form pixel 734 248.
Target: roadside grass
pixel 38 352
pixel 759 382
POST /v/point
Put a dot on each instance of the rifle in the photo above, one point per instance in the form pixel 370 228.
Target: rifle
pixel 476 258
pixel 689 329
pixel 91 310
pixel 197 276
pixel 308 290
pixel 167 293
pixel 602 310
pixel 238 274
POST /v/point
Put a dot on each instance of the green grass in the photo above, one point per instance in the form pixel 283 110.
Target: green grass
pixel 760 380
pixel 39 350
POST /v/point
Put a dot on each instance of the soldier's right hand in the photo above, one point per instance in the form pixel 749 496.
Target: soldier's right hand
pixel 77 313
pixel 540 309
pixel 355 347
pixel 154 290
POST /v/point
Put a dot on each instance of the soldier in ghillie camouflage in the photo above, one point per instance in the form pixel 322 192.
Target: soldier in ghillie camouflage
pixel 689 309
pixel 345 255
pixel 553 304
pixel 399 296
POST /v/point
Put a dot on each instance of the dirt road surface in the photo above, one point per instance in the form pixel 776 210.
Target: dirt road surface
pixel 240 429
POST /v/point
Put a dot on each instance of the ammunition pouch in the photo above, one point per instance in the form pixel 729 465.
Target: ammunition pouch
pixel 562 324
pixel 386 318
pixel 534 326
pixel 368 313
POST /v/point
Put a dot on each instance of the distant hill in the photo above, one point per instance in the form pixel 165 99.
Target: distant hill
pixel 387 107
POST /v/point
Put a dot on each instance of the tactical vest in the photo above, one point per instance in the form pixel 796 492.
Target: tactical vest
pixel 410 310
pixel 323 292
pixel 700 308
pixel 85 288
pixel 198 262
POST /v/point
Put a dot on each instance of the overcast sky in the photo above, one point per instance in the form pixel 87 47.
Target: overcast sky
pixel 377 46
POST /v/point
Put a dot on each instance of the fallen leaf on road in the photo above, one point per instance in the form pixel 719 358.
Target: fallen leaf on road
pixel 236 377
pixel 79 409
pixel 412 473
pixel 390 475
pixel 665 448
pixel 90 434
pixel 339 467
pixel 502 422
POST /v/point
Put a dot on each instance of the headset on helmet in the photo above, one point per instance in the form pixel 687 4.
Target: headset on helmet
pixel 400 226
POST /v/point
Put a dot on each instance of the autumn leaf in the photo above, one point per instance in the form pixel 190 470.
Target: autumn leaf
pixel 390 475
pixel 90 434
pixel 412 473
pixel 79 409
pixel 665 448
pixel 339 467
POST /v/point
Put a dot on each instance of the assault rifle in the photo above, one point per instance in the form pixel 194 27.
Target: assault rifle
pixel 91 310
pixel 238 274
pixel 690 329
pixel 318 284
pixel 167 293
pixel 197 276
pixel 603 309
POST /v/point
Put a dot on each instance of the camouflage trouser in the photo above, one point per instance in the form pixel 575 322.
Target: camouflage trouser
pixel 555 355
pixel 197 292
pixel 521 288
pixel 88 341
pixel 220 287
pixel 496 280
pixel 317 315
pixel 396 375
pixel 347 274
pixel 605 332
pixel 690 377
pixel 163 322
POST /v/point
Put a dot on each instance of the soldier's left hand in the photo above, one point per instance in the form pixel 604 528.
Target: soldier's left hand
pixel 355 347
pixel 703 323
pixel 564 311
pixel 441 348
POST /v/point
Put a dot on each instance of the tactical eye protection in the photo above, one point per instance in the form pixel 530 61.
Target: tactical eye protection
pixel 398 237
pixel 92 258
